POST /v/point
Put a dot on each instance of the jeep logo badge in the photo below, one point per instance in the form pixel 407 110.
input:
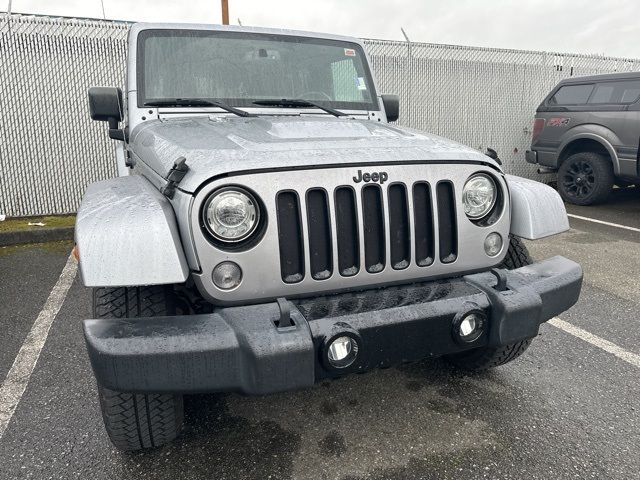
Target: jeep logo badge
pixel 371 177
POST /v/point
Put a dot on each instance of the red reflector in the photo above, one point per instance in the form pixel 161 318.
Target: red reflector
pixel 538 125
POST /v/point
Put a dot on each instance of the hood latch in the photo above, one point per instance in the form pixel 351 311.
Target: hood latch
pixel 175 176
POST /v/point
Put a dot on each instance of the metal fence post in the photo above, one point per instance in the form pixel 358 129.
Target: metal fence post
pixel 409 77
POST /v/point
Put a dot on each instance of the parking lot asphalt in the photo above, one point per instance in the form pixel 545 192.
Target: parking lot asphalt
pixel 567 409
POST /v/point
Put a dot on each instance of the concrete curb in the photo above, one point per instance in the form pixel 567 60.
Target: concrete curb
pixel 40 235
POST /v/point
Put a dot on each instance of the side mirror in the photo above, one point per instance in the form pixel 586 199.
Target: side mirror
pixel 105 105
pixel 391 105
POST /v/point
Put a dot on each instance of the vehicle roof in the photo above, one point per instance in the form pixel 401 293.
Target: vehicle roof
pixel 600 78
pixel 138 27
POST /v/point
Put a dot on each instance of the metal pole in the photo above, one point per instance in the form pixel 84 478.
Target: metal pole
pixel 104 16
pixel 409 77
pixel 9 8
pixel 225 11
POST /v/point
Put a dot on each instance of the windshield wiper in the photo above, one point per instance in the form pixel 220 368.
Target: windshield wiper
pixel 285 102
pixel 196 102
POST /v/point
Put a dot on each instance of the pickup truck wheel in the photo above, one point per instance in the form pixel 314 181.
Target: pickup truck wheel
pixel 137 421
pixel 585 178
pixel 484 358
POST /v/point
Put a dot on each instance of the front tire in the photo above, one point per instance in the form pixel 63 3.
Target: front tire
pixel 484 358
pixel 585 178
pixel 137 421
pixel 517 254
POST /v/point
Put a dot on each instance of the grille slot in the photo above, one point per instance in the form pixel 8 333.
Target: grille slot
pixel 373 226
pixel 399 236
pixel 347 232
pixel 320 252
pixel 447 228
pixel 290 237
pixel 423 224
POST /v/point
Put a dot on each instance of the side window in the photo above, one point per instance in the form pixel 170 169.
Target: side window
pixel 571 95
pixel 622 92
pixel 631 92
pixel 347 87
pixel 603 93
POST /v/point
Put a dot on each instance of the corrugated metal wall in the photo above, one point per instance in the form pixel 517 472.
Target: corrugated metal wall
pixel 50 149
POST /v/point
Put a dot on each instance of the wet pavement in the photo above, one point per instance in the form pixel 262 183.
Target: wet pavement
pixel 567 409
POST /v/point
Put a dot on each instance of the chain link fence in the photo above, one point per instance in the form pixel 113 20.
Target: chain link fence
pixel 50 149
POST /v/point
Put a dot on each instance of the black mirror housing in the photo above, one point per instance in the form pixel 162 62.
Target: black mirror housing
pixel 391 105
pixel 105 105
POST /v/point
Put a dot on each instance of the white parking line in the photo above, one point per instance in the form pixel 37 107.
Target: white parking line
pixel 601 343
pixel 602 222
pixel 18 377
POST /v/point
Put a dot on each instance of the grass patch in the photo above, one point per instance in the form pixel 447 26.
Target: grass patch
pixel 22 223
pixel 62 246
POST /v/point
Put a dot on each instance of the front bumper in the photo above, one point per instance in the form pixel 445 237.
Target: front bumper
pixel 243 348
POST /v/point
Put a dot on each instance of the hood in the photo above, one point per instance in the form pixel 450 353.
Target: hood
pixel 225 144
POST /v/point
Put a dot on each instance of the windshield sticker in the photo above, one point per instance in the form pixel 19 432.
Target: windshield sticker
pixel 360 85
pixel 349 52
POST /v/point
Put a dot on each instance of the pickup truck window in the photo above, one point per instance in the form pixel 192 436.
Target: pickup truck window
pixel 616 92
pixel 571 95
pixel 238 68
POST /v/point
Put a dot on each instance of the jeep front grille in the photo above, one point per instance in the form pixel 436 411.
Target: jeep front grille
pixel 379 206
pixel 326 230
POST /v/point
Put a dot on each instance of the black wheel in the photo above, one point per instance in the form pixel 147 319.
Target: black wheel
pixel 585 178
pixel 136 421
pixel 484 358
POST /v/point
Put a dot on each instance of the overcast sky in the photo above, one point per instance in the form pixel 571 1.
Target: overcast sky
pixel 609 27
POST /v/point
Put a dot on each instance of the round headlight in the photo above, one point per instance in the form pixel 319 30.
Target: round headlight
pixel 231 215
pixel 479 196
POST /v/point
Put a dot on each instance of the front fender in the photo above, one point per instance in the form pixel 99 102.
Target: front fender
pixel 537 210
pixel 127 235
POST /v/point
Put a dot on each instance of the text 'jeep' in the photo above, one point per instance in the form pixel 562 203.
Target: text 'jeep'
pixel 270 229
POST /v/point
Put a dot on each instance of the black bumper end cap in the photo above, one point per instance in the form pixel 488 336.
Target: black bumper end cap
pixel 235 349
pixel 533 295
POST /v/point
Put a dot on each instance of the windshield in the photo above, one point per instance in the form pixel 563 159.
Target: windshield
pixel 238 68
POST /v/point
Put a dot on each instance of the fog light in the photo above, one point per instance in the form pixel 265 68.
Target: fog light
pixel 342 352
pixel 468 326
pixel 493 244
pixel 227 275
pixel 471 327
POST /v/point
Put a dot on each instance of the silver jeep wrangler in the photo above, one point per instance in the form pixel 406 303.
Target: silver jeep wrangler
pixel 270 229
